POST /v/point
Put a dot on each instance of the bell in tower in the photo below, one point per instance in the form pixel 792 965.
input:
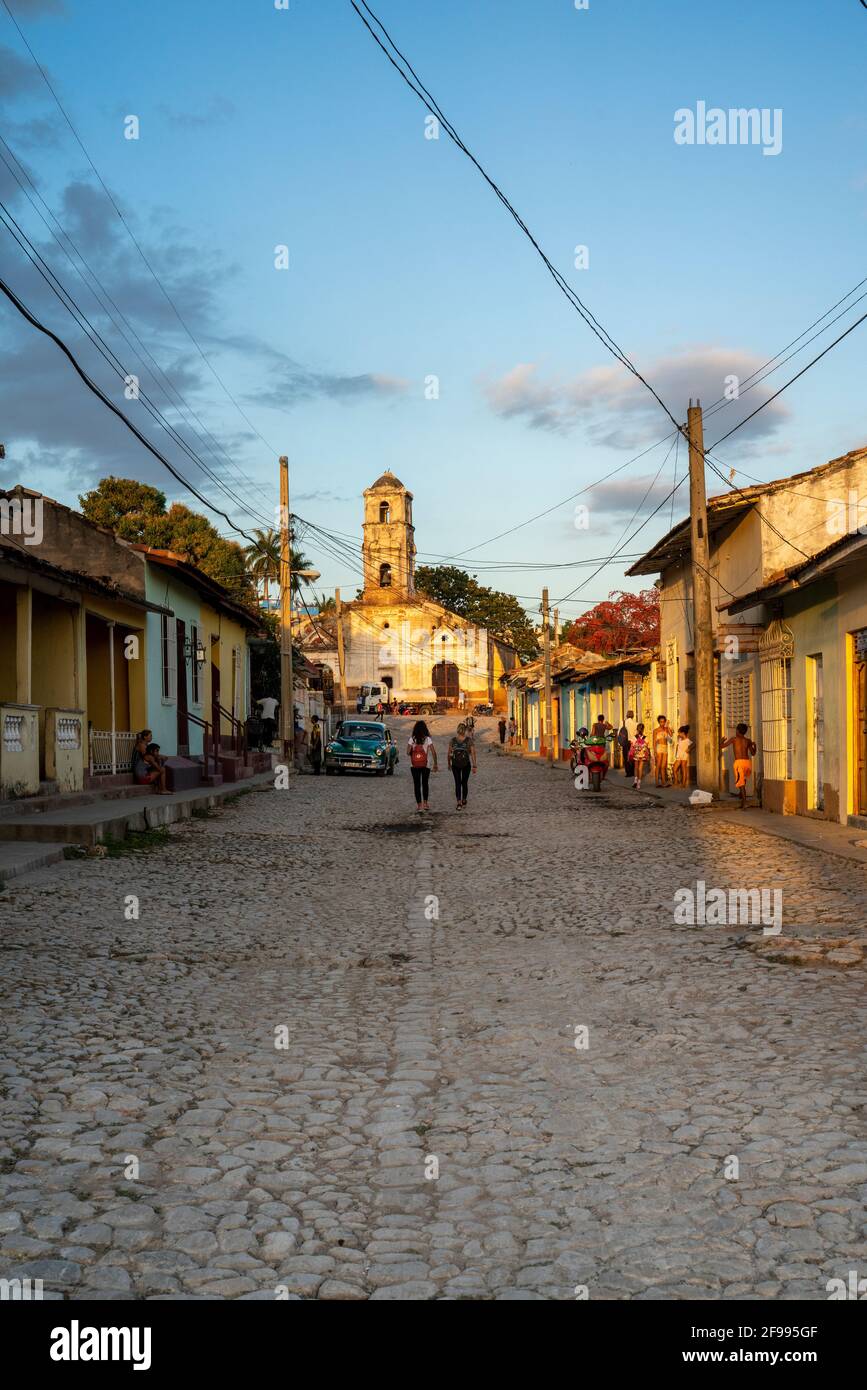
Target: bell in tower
pixel 388 549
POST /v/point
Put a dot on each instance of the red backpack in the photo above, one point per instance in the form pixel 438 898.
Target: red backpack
pixel 418 756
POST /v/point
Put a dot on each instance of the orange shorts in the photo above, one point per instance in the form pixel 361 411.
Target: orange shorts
pixel 743 771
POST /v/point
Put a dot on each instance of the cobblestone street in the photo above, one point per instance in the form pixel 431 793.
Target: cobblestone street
pixel 290 1043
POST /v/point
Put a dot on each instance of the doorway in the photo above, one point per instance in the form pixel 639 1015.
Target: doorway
pixel 215 700
pixel 859 680
pixel 446 681
pixel 181 667
pixel 816 733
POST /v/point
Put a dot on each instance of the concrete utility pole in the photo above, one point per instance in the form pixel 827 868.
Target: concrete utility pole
pixel 341 668
pixel 707 752
pixel 287 693
pixel 556 627
pixel 549 712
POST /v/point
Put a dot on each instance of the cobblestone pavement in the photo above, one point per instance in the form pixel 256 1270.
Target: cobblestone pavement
pixel 305 917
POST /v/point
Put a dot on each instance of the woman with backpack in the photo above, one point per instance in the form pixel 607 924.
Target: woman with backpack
pixel 421 750
pixel 462 757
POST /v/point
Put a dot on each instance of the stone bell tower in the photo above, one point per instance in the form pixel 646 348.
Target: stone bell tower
pixel 388 549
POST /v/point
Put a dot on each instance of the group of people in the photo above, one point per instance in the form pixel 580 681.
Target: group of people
pixel 423 760
pixel 507 726
pixel 638 752
pixel 148 768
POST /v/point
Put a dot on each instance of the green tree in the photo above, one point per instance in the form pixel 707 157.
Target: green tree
pixel 263 561
pixel 500 613
pixel 136 512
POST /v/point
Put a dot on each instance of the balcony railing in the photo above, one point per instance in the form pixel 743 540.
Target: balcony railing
pixel 111 751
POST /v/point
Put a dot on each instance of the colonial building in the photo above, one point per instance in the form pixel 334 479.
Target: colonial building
pixel 789 622
pixel 395 636
pixel 100 638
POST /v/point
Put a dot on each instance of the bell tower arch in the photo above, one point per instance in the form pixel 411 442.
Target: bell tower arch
pixel 388 548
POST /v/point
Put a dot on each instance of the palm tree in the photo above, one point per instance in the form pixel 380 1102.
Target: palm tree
pixel 263 561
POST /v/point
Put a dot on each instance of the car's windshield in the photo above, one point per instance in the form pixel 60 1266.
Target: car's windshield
pixel 361 731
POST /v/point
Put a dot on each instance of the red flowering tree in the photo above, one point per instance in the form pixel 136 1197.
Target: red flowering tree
pixel 623 622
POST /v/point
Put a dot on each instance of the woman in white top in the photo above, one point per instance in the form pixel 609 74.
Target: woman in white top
pixel 422 754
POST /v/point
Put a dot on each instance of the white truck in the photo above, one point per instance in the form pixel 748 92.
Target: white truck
pixel 370 695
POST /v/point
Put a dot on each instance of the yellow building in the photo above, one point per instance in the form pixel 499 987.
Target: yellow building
pixel 789 619
pixel 65 662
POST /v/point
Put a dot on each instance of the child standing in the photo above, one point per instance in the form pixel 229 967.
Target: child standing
pixel 744 750
pixel 639 754
pixel 681 757
pixel 661 740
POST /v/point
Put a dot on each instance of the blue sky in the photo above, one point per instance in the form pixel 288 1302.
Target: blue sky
pixel 261 127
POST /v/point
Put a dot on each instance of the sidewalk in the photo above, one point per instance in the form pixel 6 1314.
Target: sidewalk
pixel 33 839
pixel 826 837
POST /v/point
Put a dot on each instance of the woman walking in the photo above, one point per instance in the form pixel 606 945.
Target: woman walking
pixel 462 757
pixel 421 751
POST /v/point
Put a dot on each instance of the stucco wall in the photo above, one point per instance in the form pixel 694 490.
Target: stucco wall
pixel 162 715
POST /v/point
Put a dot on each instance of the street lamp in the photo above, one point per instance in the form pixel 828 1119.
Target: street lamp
pixel 194 649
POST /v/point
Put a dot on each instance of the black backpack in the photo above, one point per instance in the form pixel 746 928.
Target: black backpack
pixel 460 756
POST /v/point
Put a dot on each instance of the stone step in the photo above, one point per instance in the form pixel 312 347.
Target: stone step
pixel 115 818
pixel 59 801
pixel 19 857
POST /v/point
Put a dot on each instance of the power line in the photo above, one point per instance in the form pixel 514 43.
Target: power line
pixel 132 236
pixel 100 394
pixel 159 372
pixel 429 101
pixel 787 384
pixel 83 322
pixel 418 87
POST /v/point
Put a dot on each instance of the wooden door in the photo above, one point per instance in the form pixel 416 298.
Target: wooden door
pixel 860 679
pixel 215 703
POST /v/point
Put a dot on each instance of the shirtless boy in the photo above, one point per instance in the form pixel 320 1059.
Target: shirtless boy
pixel 661 740
pixel 744 751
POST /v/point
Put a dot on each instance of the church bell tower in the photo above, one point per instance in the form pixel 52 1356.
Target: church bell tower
pixel 388 549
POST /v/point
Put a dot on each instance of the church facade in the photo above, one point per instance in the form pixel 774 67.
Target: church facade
pixel 395 636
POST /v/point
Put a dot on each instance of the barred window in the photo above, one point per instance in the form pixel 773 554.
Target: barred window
pixel 777 751
pixel 169 644
pixel 195 671
pixel 737 702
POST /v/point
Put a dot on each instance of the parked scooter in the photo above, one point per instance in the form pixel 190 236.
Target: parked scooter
pixel 590 751
pixel 596 756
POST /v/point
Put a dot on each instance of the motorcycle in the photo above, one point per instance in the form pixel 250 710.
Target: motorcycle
pixel 590 751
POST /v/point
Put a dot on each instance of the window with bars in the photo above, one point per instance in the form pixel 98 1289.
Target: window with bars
pixel 737 702
pixel 195 669
pixel 169 645
pixel 777 724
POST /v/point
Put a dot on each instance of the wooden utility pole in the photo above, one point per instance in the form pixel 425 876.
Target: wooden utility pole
pixel 706 740
pixel 546 639
pixel 341 667
pixel 556 627
pixel 287 693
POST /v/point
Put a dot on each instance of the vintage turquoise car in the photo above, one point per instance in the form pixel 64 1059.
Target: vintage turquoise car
pixel 360 745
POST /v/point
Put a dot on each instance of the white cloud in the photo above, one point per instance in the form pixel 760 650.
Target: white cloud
pixel 614 408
